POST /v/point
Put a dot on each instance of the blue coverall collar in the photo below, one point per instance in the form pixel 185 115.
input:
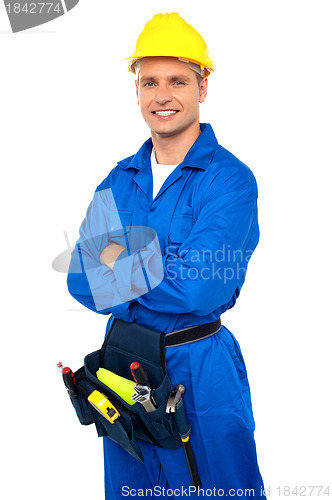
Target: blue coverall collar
pixel 198 156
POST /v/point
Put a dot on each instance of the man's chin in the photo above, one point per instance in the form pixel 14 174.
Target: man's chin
pixel 166 131
pixel 165 134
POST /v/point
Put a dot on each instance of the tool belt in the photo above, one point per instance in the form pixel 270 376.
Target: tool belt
pixel 165 427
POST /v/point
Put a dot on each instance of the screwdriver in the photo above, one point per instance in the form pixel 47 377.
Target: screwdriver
pixel 70 382
pixel 139 374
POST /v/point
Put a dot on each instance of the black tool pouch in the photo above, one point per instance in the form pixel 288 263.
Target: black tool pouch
pixel 124 344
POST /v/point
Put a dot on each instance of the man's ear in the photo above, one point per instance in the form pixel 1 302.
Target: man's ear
pixel 136 85
pixel 203 90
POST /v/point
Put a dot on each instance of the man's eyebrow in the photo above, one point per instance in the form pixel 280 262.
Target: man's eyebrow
pixel 179 78
pixel 147 79
pixel 173 78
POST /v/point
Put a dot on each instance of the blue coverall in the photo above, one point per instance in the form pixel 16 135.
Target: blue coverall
pixel 205 217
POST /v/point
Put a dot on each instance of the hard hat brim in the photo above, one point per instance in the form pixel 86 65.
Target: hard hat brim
pixel 208 69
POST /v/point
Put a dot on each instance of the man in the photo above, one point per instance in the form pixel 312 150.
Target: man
pixel 201 202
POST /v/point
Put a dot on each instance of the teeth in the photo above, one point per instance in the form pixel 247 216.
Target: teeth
pixel 165 113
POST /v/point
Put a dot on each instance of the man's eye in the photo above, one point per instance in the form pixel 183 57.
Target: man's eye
pixel 178 83
pixel 148 84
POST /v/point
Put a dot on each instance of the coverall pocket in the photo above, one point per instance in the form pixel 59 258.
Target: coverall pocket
pixel 236 354
pixel 180 228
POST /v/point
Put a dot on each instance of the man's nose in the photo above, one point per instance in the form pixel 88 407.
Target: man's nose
pixel 163 94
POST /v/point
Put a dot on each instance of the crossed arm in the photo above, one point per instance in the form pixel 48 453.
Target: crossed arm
pixel 110 253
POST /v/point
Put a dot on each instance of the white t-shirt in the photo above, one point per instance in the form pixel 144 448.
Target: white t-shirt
pixel 159 173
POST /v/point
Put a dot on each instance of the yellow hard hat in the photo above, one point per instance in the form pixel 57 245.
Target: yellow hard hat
pixel 169 35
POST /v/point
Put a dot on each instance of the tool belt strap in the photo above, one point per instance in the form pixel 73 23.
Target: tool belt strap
pixel 192 333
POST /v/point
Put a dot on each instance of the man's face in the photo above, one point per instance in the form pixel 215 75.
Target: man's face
pixel 169 94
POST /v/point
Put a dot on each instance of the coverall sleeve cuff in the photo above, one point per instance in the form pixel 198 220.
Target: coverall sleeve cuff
pixel 130 280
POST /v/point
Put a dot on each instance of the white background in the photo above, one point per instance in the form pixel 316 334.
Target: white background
pixel 68 113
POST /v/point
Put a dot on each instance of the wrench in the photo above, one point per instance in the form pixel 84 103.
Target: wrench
pixel 143 395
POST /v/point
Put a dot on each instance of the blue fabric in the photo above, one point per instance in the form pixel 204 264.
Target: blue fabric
pixel 205 219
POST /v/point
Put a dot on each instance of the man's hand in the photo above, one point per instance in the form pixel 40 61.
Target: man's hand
pixel 110 253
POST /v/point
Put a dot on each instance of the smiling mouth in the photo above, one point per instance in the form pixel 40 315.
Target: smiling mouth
pixel 168 112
